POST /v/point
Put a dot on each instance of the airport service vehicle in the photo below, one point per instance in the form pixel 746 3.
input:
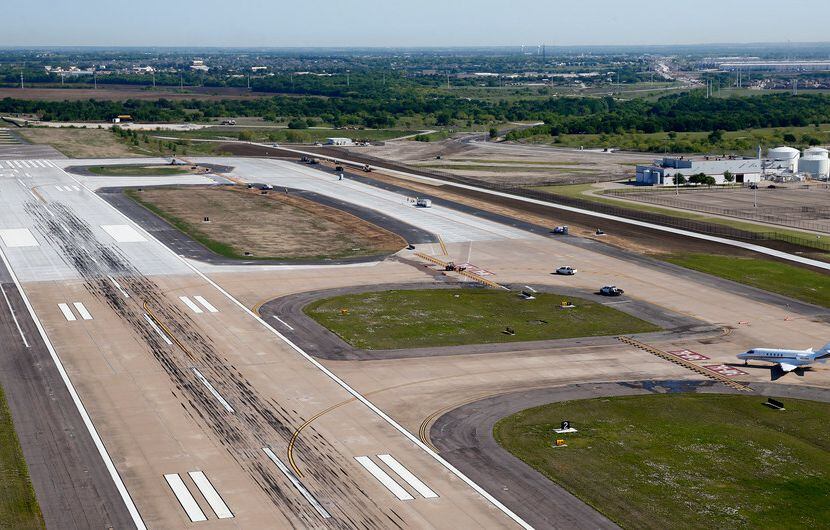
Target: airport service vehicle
pixel 785 361
pixel 229 122
pixel 560 230
pixel 423 203
pixel 367 168
pixel 566 271
pixel 611 290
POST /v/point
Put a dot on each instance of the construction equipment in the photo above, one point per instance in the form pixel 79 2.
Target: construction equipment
pixel 367 168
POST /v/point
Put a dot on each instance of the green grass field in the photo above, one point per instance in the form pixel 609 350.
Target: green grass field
pixel 684 460
pixel 136 170
pixel 452 317
pixel 18 507
pixel 776 277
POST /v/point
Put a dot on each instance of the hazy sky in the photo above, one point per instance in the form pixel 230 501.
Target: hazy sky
pixel 407 23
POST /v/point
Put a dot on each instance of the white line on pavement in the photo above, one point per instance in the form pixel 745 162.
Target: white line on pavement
pixel 82 311
pixel 185 498
pixel 384 478
pixel 67 313
pixel 206 304
pixel 297 484
pixel 159 331
pixel 211 495
pixel 408 477
pixel 16 323
pixel 189 303
pixel 283 322
pixel 213 390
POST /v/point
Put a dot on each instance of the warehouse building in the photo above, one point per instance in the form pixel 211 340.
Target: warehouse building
pixel 662 172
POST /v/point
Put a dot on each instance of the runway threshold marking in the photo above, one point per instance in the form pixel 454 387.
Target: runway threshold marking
pixel 408 477
pixel 213 390
pixel 312 500
pixel 217 504
pixel 185 498
pixel 706 372
pixel 14 317
pixel 384 478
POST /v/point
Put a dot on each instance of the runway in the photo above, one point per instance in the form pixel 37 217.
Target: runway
pixel 195 397
pixel 187 388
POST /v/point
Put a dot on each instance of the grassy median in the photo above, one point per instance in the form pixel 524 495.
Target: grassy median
pixel 774 276
pixel 684 460
pixel 18 506
pixel 451 317
pixel 131 170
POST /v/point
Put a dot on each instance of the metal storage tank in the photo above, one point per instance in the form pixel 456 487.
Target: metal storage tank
pixel 820 151
pixel 817 166
pixel 788 155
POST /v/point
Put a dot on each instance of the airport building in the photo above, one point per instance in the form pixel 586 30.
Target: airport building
pixel 782 163
pixel 662 172
pixel 339 141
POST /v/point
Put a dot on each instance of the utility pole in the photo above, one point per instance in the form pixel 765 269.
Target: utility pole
pixel 21 79
pixel 348 81
pixel 448 80
pixel 154 78
pixel 181 81
pixel 249 81
pixel 95 80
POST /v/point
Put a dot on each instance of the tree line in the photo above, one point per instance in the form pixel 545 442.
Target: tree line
pixel 561 115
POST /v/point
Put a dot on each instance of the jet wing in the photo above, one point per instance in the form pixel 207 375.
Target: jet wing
pixel 787 367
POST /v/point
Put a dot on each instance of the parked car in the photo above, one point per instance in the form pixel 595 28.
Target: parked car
pixel 566 271
pixel 560 230
pixel 611 290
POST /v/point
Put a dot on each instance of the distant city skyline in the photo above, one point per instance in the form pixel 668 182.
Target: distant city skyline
pixel 392 23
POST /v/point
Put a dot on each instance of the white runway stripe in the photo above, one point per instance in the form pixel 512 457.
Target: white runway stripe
pixel 159 331
pixel 189 303
pixel 50 163
pixel 118 286
pixel 213 391
pixel 384 478
pixel 82 311
pixel 211 495
pixel 25 164
pixel 206 304
pixel 408 477
pixel 191 508
pixel 297 484
pixel 67 313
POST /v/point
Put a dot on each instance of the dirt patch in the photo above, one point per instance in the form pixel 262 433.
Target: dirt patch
pixel 273 226
pixel 80 143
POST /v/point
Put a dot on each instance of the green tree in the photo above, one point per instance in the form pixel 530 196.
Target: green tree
pixel 716 137
pixel 494 133
pixel 298 124
pixel 728 176
pixel 679 179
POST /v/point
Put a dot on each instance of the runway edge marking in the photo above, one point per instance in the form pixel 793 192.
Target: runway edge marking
pixel 357 395
pixel 76 399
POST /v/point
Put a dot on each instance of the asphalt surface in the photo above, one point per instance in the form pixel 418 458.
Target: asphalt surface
pixel 464 437
pixel 753 293
pixel 322 343
pixel 71 483
pixel 186 246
